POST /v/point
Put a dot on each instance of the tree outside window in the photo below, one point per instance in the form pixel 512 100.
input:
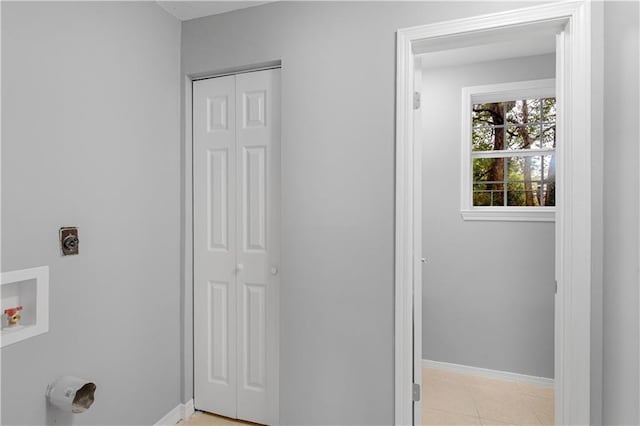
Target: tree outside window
pixel 513 177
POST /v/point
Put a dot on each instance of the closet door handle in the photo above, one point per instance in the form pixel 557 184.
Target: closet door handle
pixel 274 270
pixel 239 267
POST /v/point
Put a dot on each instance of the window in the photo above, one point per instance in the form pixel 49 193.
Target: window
pixel 509 151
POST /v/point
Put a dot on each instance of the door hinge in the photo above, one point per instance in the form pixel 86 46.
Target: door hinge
pixel 416 100
pixel 556 287
pixel 415 393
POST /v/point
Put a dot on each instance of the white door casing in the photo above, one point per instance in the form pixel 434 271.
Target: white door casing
pixel 418 262
pixel 236 135
pixel 572 19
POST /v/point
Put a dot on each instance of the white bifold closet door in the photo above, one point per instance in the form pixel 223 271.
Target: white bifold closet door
pixel 236 187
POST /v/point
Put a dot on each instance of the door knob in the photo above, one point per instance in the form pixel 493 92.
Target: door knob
pixel 239 266
pixel 274 270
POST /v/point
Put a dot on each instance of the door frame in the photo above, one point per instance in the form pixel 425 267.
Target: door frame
pixel 186 244
pixel 574 200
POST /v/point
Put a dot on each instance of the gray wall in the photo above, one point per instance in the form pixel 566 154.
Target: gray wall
pixel 97 83
pixel 488 287
pixel 621 158
pixel 597 210
pixel 90 137
pixel 337 294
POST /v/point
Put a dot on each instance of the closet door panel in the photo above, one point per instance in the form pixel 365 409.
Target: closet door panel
pixel 236 172
pixel 214 244
pixel 258 164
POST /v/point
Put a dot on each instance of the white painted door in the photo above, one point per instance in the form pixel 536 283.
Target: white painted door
pixel 214 245
pixel 236 169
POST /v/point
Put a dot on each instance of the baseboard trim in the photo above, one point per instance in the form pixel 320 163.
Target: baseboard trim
pixel 180 412
pixel 485 372
pixel 188 409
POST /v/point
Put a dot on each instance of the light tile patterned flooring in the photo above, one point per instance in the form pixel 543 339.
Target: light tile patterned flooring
pixel 460 399
pixel 463 399
pixel 206 419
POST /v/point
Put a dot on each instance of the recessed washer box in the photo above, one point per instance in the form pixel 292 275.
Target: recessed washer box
pixel 28 288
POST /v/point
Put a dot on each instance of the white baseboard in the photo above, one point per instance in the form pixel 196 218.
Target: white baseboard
pixel 180 412
pixel 485 372
pixel 188 409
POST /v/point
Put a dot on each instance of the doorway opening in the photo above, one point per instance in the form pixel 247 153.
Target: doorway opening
pixel 236 244
pixel 488 147
pixel 568 26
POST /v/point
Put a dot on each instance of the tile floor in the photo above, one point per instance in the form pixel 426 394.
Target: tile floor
pixel 459 399
pixel 463 399
pixel 206 419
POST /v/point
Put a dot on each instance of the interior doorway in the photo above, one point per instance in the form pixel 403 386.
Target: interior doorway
pixel 488 145
pixel 569 24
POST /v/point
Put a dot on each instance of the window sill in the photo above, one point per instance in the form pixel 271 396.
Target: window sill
pixel 514 214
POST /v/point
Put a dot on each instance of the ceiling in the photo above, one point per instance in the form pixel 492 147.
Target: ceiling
pixel 482 46
pixel 514 48
pixel 185 10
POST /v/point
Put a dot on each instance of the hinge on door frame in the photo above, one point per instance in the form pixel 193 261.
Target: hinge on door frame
pixel 415 392
pixel 556 287
pixel 416 100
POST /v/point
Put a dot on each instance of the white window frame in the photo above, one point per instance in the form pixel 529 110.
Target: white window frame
pixel 531 89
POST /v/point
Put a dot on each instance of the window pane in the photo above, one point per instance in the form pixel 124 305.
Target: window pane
pixel 491 114
pixel 523 137
pixel 549 136
pixel 549 110
pixel 523 111
pixel 549 180
pixel 487 138
pixel 515 187
pixel 527 186
pixel 488 181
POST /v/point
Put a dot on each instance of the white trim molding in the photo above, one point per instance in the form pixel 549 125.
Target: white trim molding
pixel 187 410
pixel 404 251
pixel 171 418
pixel 36 298
pixel 178 413
pixel 542 88
pixel 570 21
pixel 510 214
pixel 486 372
